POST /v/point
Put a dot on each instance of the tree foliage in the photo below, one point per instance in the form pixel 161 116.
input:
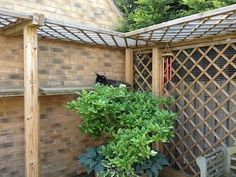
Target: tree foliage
pixel 143 13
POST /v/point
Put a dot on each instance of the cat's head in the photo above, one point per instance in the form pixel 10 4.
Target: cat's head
pixel 101 79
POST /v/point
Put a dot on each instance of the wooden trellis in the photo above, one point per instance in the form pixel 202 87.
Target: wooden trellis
pixel 142 70
pixel 204 88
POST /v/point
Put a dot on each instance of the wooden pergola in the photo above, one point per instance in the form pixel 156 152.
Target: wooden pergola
pixel 204 25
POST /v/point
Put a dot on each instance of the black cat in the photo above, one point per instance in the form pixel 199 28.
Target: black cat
pixel 105 81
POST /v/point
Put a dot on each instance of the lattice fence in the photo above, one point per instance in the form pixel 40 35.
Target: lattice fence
pixel 143 70
pixel 204 88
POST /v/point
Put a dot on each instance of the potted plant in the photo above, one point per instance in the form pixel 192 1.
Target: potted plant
pixel 131 122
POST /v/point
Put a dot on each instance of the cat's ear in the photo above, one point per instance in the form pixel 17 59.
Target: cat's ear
pixel 97 74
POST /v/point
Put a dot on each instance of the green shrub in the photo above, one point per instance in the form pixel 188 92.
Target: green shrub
pixel 131 121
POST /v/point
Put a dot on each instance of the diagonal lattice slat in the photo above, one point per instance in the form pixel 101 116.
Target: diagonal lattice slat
pixel 204 88
pixel 143 70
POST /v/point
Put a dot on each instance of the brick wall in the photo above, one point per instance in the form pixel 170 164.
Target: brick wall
pixel 60 139
pixel 11 63
pixel 61 64
pixel 11 137
pixel 73 65
pixel 102 13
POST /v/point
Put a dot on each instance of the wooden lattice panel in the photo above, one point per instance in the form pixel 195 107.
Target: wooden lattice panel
pixel 143 71
pixel 204 88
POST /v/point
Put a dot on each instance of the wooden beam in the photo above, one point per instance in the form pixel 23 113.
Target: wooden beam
pixel 129 66
pixel 216 40
pixel 17 29
pixel 31 102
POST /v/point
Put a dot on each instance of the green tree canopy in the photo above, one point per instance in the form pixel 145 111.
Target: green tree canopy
pixel 143 13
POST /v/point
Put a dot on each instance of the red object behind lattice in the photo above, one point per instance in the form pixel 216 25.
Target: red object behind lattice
pixel 167 64
pixel 167 68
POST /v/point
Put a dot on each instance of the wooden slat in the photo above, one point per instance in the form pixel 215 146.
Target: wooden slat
pixel 73 34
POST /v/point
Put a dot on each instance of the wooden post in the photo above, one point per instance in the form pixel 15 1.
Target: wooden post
pixel 129 66
pixel 157 72
pixel 31 102
pixel 157 78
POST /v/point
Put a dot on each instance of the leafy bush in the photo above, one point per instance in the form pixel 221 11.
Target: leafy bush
pixel 106 109
pixel 100 110
pixel 143 13
pixel 131 121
